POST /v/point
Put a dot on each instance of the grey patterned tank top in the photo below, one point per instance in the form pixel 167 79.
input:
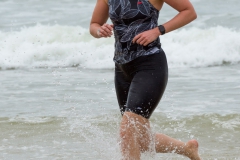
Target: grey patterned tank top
pixel 131 17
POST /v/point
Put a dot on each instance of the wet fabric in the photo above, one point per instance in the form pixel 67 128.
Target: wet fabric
pixel 131 17
pixel 141 83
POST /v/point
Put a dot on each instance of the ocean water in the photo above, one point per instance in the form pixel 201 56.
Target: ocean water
pixel 57 97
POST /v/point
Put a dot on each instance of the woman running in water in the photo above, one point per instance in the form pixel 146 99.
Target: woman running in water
pixel 141 71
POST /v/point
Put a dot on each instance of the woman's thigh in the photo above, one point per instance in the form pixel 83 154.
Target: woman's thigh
pixel 122 84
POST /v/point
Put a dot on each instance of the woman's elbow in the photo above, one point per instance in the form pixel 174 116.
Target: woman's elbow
pixel 194 15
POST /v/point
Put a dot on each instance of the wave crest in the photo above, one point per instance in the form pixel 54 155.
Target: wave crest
pixel 70 46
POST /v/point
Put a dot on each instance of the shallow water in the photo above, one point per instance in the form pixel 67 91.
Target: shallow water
pixel 75 112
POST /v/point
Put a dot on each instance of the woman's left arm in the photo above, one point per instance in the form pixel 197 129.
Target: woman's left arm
pixel 186 15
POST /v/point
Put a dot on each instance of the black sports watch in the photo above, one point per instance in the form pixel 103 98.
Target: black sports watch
pixel 161 29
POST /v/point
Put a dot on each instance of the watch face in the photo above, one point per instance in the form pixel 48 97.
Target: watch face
pixel 161 29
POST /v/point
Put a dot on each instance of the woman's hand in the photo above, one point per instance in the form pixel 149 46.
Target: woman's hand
pixel 147 37
pixel 105 30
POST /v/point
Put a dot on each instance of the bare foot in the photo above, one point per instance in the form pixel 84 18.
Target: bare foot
pixel 192 150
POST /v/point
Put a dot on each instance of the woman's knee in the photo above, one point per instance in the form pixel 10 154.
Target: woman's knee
pixel 136 128
pixel 133 123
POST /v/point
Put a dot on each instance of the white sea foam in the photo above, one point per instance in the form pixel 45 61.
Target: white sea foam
pixel 66 46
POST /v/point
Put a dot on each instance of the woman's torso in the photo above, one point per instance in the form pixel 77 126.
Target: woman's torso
pixel 131 17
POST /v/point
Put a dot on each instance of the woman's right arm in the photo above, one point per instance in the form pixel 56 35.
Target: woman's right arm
pixel 98 28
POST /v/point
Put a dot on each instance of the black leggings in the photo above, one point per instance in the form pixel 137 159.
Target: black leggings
pixel 140 83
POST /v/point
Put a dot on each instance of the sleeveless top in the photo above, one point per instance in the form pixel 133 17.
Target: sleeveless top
pixel 131 17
